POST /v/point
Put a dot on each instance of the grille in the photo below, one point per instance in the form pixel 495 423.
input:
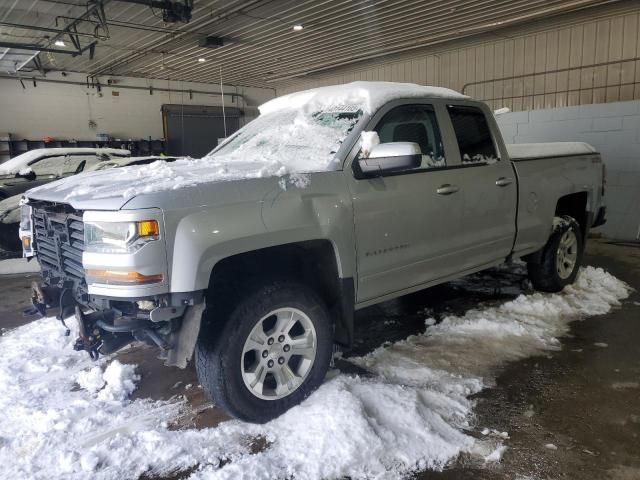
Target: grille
pixel 59 241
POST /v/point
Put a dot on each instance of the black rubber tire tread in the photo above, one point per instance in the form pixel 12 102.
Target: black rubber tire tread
pixel 218 353
pixel 543 275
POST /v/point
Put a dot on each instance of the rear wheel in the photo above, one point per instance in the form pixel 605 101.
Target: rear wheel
pixel 273 351
pixel 561 257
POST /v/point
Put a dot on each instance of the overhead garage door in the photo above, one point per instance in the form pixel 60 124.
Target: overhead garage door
pixel 195 130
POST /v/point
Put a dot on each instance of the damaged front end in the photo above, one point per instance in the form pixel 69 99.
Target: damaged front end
pixel 114 298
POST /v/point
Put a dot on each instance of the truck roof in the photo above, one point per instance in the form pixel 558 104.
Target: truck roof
pixel 366 96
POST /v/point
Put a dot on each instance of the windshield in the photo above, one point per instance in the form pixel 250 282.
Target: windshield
pixel 300 141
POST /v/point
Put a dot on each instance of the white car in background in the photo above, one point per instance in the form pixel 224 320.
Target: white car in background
pixel 43 165
pixel 10 207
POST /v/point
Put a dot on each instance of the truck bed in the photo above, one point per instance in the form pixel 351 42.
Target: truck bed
pixel 530 151
pixel 546 172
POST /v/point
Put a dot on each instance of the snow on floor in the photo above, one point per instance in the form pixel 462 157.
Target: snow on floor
pixel 18 265
pixel 66 417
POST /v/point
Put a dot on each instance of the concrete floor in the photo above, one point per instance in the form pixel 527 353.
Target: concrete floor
pixel 584 399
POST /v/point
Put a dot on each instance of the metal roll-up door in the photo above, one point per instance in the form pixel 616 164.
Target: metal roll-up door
pixel 194 130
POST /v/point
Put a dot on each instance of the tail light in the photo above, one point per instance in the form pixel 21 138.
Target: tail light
pixel 604 179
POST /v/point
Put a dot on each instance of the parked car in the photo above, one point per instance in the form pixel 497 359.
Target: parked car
pixel 44 165
pixel 334 199
pixel 10 207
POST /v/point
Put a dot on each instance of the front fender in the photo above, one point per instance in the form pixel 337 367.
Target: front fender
pixel 319 209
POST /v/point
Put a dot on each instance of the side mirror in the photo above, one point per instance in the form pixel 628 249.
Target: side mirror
pixel 389 157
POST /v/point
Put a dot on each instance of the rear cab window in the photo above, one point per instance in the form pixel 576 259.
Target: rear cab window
pixel 473 134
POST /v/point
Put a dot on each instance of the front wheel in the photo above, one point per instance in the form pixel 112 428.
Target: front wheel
pixel 273 351
pixel 561 257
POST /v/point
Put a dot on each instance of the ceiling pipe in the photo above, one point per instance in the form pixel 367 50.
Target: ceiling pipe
pixel 45 29
pixel 118 63
pixel 126 87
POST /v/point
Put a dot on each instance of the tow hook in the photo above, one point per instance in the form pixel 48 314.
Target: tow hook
pixel 88 341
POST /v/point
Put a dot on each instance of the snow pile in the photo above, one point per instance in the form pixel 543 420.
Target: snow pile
pixel 368 96
pixel 489 337
pixel 368 140
pixel 116 383
pixel 414 413
pixel 523 151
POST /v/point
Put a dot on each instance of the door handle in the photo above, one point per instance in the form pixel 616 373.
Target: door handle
pixel 503 181
pixel 447 189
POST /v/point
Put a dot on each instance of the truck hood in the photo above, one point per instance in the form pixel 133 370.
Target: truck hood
pixel 113 189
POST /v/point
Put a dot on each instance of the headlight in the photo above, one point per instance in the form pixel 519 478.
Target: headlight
pixel 119 237
pixel 25 218
pixel 25 229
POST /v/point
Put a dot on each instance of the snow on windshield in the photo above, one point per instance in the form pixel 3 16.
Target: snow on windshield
pixel 299 141
pixel 287 142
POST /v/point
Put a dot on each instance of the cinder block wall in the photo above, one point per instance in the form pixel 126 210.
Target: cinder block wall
pixel 614 130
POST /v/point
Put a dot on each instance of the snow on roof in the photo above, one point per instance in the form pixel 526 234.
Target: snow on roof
pixel 369 96
pixel 522 151
pixel 23 160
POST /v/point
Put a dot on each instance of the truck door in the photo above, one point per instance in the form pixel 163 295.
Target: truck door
pixel 407 224
pixel 488 189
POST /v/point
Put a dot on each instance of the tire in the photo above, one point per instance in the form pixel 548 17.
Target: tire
pixel 228 364
pixel 561 257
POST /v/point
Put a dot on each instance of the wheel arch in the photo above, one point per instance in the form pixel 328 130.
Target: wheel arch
pixel 576 205
pixel 315 263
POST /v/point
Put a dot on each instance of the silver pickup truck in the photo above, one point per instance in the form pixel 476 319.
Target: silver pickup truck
pixel 256 256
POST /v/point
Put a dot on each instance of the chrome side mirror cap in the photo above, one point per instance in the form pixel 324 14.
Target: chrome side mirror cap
pixel 389 157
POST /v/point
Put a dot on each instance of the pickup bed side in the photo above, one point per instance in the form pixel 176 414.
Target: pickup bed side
pixel 548 187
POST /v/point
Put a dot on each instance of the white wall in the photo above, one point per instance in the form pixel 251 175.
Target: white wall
pixel 614 129
pixel 64 111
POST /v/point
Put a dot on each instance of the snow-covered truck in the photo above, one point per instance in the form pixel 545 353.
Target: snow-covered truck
pixel 256 256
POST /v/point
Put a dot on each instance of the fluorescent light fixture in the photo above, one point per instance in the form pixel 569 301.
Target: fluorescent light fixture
pixel 202 60
pixel 297 27
pixel 59 43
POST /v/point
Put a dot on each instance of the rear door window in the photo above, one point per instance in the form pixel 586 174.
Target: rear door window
pixel 473 134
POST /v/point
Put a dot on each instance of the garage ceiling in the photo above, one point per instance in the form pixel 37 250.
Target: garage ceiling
pixel 260 46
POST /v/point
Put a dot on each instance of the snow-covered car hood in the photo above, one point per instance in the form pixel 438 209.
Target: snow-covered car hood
pixel 22 162
pixel 112 189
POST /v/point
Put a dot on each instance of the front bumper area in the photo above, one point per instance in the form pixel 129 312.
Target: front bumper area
pixel 105 325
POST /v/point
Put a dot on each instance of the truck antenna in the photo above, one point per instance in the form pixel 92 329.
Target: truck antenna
pixel 224 117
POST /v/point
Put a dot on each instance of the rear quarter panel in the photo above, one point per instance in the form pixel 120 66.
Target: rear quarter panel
pixel 542 181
